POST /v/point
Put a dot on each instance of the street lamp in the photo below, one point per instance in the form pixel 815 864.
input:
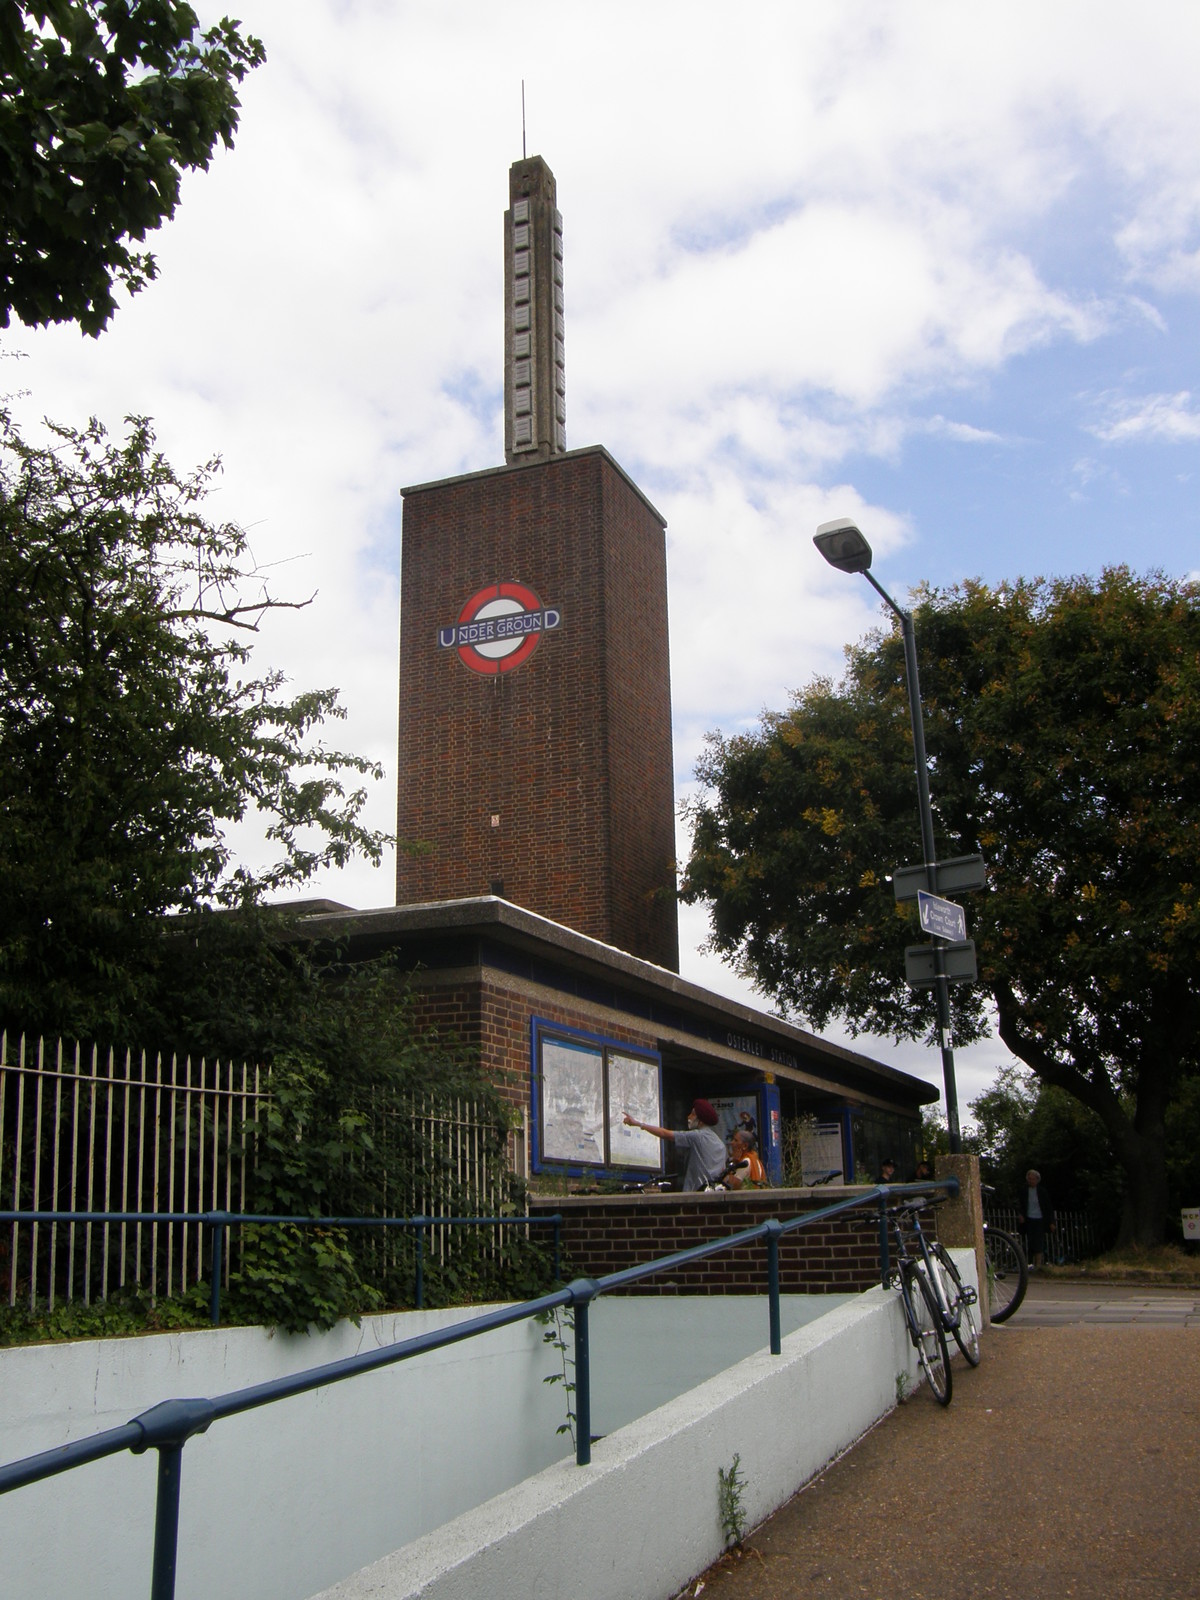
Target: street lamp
pixel 843 546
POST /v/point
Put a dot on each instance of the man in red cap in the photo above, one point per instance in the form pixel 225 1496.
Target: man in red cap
pixel 702 1146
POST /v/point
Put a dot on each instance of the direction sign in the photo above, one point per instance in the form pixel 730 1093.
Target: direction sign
pixel 942 918
pixel 958 963
pixel 959 875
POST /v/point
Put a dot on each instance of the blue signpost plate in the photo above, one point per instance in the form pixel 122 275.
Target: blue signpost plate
pixel 942 918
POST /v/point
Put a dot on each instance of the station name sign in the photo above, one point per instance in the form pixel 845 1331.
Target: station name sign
pixel 499 627
pixel 510 627
pixel 754 1047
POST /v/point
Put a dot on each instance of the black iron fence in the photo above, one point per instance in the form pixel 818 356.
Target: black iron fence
pixel 1073 1238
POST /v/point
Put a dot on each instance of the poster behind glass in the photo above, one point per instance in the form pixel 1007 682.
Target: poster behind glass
pixel 821 1153
pixel 572 1107
pixel 736 1111
pixel 633 1086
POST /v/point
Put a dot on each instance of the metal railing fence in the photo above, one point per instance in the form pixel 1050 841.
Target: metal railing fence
pixel 219 1223
pixel 168 1426
pixel 85 1130
pixel 1074 1237
pixel 451 1156
pixel 92 1139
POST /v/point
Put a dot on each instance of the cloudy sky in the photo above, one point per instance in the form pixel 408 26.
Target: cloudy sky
pixel 935 266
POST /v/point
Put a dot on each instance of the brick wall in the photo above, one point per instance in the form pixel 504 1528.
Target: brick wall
pixel 493 1020
pixel 571 751
pixel 613 1232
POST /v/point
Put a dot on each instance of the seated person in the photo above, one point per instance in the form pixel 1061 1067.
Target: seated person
pixel 745 1169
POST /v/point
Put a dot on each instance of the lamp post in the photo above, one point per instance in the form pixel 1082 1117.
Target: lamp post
pixel 844 547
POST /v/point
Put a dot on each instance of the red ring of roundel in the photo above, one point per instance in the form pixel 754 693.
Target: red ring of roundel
pixel 468 654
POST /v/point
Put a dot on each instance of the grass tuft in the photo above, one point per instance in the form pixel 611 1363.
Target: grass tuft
pixel 1167 1263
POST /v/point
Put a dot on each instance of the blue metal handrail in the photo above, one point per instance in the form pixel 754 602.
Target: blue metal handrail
pixel 219 1221
pixel 168 1426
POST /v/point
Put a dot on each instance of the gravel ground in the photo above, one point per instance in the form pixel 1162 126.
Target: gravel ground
pixel 1067 1464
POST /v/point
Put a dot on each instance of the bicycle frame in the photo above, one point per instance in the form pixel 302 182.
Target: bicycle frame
pixel 924 1261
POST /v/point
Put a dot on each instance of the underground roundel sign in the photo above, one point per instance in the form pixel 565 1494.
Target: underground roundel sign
pixel 499 628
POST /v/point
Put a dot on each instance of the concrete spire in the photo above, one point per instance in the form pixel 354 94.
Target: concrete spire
pixel 535 386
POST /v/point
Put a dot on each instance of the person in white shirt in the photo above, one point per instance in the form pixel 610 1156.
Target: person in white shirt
pixel 1037 1217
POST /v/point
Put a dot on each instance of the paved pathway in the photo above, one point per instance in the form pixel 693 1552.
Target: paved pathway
pixel 1067 1464
pixel 1052 1302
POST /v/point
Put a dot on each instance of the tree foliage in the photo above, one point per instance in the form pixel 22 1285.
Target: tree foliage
pixel 132 732
pixel 104 105
pixel 1063 727
pixel 1022 1123
pixel 342 1136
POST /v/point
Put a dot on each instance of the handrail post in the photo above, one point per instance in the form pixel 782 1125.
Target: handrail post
pixel 420 1285
pixel 582 1293
pixel 166 1428
pixel 885 1263
pixel 217 1220
pixel 774 1229
pixel 166 1522
pixel 557 1247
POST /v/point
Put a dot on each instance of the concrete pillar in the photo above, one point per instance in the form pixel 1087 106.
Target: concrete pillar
pixel 960 1222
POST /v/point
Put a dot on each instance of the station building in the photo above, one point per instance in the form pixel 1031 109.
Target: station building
pixel 536 910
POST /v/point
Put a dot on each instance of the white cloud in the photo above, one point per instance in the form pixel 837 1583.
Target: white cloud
pixel 1088 474
pixel 1169 417
pixel 961 432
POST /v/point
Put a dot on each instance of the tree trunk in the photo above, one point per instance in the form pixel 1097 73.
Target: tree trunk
pixel 1144 1212
pixel 1139 1145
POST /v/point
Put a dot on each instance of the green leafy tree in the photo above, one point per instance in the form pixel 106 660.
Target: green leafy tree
pixel 104 104
pixel 132 732
pixel 1022 1123
pixel 1063 728
pixel 357 1087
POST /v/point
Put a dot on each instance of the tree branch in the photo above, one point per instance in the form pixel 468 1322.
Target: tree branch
pixel 233 614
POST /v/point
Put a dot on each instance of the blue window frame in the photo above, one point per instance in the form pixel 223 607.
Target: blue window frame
pixel 583 1083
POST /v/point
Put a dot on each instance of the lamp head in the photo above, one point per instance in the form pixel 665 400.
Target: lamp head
pixel 843 546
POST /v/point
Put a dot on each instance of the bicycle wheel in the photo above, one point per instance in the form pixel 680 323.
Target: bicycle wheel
pixel 965 1326
pixel 1007 1274
pixel 925 1329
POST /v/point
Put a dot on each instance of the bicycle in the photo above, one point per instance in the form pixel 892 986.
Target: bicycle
pixel 922 1312
pixel 956 1301
pixel 1007 1272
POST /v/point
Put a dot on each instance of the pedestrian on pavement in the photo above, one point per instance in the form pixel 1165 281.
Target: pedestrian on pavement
pixel 702 1146
pixel 1037 1218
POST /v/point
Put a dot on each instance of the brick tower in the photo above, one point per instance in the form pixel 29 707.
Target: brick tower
pixel 535 702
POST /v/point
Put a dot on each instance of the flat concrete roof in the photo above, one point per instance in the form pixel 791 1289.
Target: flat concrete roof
pixel 538 461
pixel 419 929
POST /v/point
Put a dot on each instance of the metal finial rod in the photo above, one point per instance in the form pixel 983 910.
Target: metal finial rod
pixel 523 150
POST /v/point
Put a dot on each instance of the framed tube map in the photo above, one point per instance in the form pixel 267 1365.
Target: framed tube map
pixel 582 1087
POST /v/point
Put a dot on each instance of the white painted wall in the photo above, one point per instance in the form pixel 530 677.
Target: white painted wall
pixel 279 1501
pixel 643 1518
pixel 288 1499
pixel 647 1351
